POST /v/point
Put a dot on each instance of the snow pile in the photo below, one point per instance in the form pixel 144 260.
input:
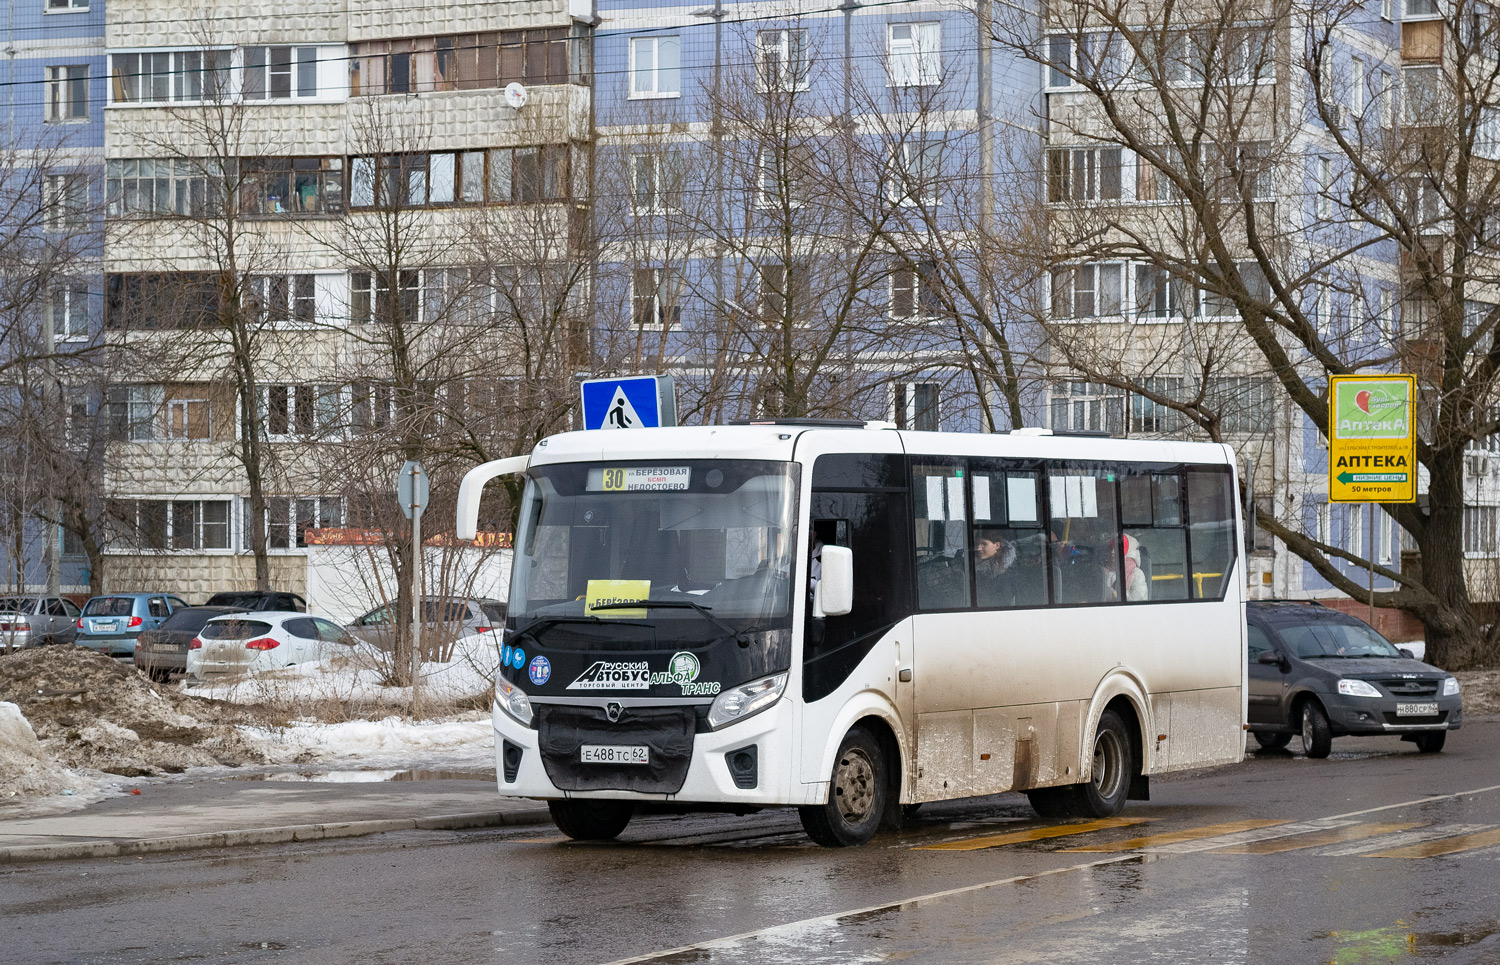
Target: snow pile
pixel 90 712
pixel 464 742
pixel 357 675
pixel 26 769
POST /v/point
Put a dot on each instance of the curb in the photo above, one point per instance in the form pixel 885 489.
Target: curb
pixel 278 835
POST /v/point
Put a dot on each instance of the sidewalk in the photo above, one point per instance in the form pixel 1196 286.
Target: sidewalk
pixel 181 815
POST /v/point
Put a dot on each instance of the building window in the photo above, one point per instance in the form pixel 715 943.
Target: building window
pixel 470 61
pixel 499 176
pixel 288 518
pixel 1244 403
pixel 132 411
pixel 914 53
pixel 1083 174
pixel 68 93
pixel 299 411
pixel 161 301
pixel 1480 534
pixel 66 201
pixel 655 67
pixel 1159 297
pixel 457 296
pixel 67 6
pixel 916 405
pixel 1086 407
pixel 78 426
pixel 151 188
pixel 916 177
pixel 1151 417
pixel 782 294
pixel 280 73
pixel 172 524
pixel 370 296
pixel 783 175
pixel 1423 94
pixel 188 413
pixel 782 60
pixel 183 75
pixel 1219 305
pixel 914 290
pixel 656 298
pixel 68 311
pixel 655 178
pixel 1421 10
pixel 1088 291
pixel 283 298
pixel 300 185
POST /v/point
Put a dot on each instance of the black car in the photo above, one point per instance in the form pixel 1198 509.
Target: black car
pixel 250 600
pixel 1321 674
pixel 162 651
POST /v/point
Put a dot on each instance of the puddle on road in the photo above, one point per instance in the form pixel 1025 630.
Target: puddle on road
pixel 368 776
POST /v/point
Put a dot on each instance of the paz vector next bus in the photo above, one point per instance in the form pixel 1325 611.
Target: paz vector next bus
pixel 850 619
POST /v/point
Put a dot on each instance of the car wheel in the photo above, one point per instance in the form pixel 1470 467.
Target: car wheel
pixel 1431 742
pixel 857 791
pixel 1270 741
pixel 1317 736
pixel 585 820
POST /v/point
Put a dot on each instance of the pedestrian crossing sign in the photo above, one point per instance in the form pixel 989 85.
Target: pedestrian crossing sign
pixel 634 402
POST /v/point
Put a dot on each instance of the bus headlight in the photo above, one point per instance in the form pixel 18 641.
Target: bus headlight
pixel 513 700
pixel 746 700
pixel 1357 688
pixel 1450 686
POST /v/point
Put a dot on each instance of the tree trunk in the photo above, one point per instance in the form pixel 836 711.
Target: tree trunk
pixel 1454 638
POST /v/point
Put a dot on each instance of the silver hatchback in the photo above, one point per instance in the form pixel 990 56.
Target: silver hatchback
pixel 30 621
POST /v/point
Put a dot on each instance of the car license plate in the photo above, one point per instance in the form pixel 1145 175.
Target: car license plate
pixel 103 627
pixel 615 754
pixel 1416 710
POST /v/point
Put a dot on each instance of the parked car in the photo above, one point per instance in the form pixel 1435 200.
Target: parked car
pixel 447 619
pixel 244 642
pixel 30 621
pixel 258 600
pixel 161 652
pixel 1318 673
pixel 110 624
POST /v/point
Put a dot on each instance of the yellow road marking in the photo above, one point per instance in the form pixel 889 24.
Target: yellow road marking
pixel 1430 849
pixel 1172 837
pixel 1032 834
pixel 1315 838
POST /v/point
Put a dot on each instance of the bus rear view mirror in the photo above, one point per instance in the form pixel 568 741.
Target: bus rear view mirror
pixel 834 595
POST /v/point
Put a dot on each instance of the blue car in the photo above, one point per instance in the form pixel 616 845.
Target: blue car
pixel 110 624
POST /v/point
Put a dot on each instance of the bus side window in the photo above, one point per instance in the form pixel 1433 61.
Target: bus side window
pixel 1151 516
pixel 1083 531
pixel 1006 514
pixel 941 535
pixel 1210 531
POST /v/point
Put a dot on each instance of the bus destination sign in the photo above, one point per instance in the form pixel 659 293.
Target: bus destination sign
pixel 639 480
pixel 1372 444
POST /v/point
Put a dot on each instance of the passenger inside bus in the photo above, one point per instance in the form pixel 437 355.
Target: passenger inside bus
pixel 994 568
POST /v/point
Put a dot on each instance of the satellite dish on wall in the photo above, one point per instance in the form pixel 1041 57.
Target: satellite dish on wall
pixel 515 95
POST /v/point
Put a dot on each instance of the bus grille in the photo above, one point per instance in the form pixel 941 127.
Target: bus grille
pixel 666 731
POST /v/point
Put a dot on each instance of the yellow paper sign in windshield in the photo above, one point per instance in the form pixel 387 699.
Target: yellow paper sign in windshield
pixel 603 592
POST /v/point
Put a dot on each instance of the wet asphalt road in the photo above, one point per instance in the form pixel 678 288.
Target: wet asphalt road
pixel 1377 854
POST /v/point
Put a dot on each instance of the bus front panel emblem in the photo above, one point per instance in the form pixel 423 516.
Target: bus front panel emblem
pixel 613 711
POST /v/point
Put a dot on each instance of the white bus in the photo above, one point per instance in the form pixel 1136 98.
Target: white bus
pixel 1062 616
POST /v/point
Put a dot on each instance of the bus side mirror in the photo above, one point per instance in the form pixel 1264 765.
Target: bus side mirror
pixel 834 594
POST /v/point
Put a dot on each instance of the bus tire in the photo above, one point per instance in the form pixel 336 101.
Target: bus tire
pixel 1055 802
pixel 857 791
pixel 1317 736
pixel 1103 796
pixel 590 820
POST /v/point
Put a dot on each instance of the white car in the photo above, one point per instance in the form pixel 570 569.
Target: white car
pixel 261 640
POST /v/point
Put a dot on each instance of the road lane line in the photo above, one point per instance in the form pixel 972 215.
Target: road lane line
pixel 1431 849
pixel 1405 838
pixel 1421 800
pixel 1317 839
pixel 1268 833
pixel 1031 834
pixel 1172 837
pixel 900 903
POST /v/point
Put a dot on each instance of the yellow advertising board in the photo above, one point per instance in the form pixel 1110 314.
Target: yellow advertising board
pixel 611 593
pixel 1372 441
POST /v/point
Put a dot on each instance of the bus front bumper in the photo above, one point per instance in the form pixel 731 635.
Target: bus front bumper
pixel 749 762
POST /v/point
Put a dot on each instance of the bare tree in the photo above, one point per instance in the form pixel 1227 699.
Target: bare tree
pixel 1281 200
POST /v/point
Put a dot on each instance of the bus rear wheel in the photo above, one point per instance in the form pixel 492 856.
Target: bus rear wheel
pixel 1104 795
pixel 857 791
pixel 587 820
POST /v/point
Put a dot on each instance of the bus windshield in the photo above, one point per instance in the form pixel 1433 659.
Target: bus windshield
pixel 715 533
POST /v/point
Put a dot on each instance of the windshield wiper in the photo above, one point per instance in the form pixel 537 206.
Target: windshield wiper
pixel 675 605
pixel 541 623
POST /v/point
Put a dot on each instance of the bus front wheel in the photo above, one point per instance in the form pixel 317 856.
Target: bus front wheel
pixel 589 820
pixel 857 791
pixel 1104 795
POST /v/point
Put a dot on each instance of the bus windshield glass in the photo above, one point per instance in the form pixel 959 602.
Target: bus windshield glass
pixel 712 533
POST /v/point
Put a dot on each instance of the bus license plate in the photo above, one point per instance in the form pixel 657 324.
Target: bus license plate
pixel 615 754
pixel 1416 710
